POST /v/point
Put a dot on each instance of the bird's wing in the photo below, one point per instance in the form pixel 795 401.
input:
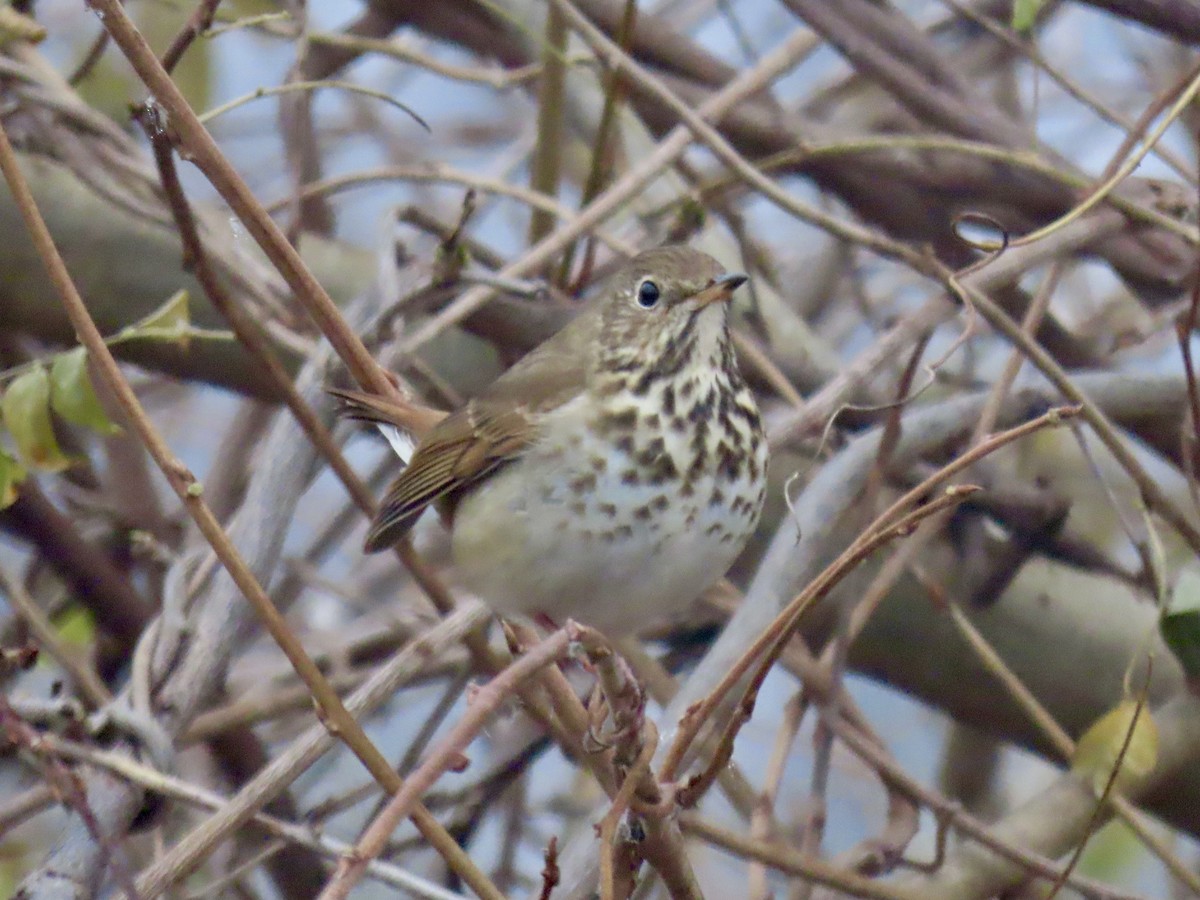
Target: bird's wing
pixel 491 430
pixel 466 447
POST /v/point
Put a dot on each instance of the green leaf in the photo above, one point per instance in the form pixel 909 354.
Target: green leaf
pixel 1098 750
pixel 72 395
pixel 26 408
pixel 1024 15
pixel 12 473
pixel 1112 853
pixel 170 322
pixel 76 626
pixel 1180 626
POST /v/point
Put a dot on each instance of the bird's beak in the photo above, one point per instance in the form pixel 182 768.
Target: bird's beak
pixel 721 289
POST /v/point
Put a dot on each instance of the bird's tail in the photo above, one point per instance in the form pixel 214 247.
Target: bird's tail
pixel 399 420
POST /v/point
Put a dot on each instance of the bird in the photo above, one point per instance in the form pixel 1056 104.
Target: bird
pixel 609 476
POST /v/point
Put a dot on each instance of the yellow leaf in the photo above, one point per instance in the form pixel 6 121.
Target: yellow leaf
pixel 72 395
pixel 26 408
pixel 12 473
pixel 1098 750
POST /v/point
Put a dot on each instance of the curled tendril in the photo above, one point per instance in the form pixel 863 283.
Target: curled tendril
pixel 991 249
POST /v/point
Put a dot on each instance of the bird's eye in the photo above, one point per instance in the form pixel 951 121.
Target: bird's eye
pixel 648 294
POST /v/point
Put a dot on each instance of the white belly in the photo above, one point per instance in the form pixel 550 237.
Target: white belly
pixel 589 535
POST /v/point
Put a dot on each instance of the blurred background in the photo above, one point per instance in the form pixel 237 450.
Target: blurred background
pixel 1037 155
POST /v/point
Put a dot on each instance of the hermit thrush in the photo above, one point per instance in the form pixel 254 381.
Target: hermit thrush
pixel 610 475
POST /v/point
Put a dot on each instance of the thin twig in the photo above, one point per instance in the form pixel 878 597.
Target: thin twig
pixel 446 755
pixel 204 152
pixel 785 859
pixel 190 493
pixel 95 692
pixel 1152 493
pixel 198 22
pixel 871 538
